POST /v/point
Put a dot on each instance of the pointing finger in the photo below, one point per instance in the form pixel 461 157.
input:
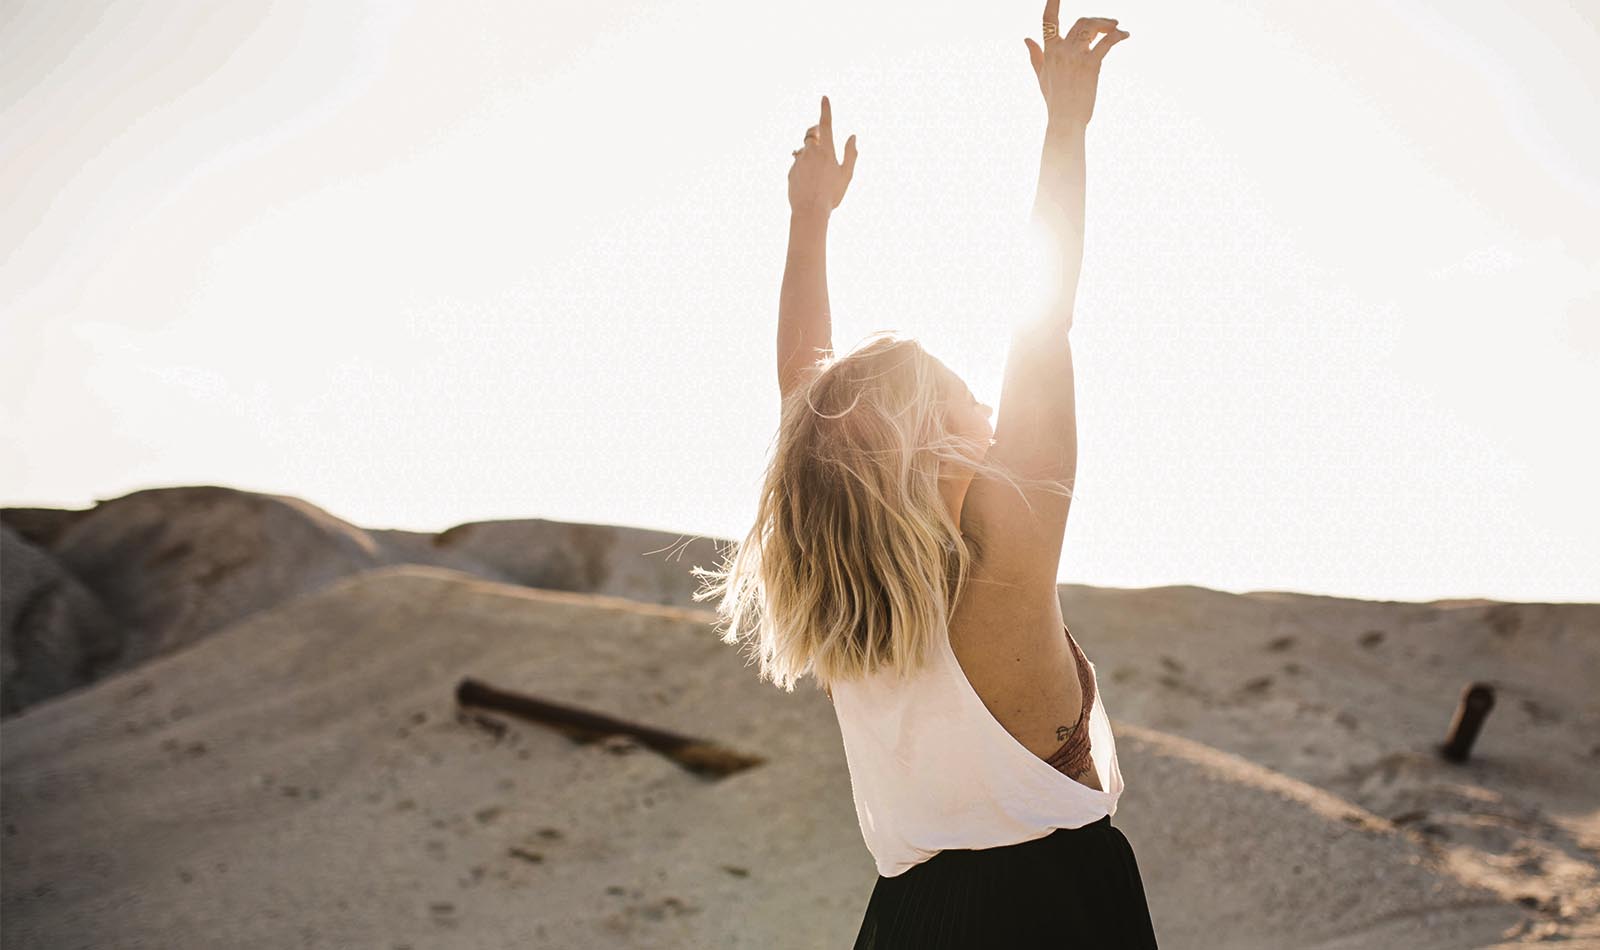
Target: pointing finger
pixel 826 126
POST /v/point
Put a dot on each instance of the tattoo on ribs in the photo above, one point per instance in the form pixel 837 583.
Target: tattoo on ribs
pixel 1063 731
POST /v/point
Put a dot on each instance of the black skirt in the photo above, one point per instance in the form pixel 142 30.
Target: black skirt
pixel 1075 887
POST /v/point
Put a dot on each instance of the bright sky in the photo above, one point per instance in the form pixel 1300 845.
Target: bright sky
pixel 420 264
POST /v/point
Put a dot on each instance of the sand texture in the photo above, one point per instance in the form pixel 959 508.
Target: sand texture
pixel 288 766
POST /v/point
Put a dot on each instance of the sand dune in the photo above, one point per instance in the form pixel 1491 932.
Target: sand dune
pixel 279 759
pixel 107 588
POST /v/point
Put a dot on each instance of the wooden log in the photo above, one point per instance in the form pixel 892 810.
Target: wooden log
pixel 701 756
pixel 1476 701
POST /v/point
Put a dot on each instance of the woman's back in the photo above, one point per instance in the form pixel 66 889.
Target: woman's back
pixel 1007 635
pixel 933 767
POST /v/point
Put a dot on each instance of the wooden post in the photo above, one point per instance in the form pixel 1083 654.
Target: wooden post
pixel 1476 701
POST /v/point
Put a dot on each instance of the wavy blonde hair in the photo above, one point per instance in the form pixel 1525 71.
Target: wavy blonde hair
pixel 854 563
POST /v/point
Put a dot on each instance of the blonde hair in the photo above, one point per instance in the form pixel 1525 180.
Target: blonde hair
pixel 854 562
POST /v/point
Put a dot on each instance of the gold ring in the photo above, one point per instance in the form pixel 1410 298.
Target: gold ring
pixel 1052 31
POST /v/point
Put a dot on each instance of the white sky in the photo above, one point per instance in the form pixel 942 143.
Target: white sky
pixel 1338 329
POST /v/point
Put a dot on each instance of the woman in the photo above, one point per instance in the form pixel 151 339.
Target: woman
pixel 905 554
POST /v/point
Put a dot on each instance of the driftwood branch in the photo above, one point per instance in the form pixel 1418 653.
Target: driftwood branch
pixel 697 755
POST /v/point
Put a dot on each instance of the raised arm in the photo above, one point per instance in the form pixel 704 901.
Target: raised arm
pixel 817 183
pixel 1068 69
pixel 805 325
pixel 1036 431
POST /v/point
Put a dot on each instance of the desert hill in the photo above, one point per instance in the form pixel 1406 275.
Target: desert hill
pixel 292 767
pixel 93 591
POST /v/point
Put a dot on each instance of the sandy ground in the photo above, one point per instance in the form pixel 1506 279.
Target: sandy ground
pixel 305 778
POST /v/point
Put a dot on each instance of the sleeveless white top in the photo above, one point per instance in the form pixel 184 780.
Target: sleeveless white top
pixel 932 769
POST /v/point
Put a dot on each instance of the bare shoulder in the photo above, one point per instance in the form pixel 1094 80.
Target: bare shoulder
pixel 1036 438
pixel 1020 530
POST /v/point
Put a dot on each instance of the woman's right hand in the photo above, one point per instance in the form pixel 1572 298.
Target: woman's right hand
pixel 1068 67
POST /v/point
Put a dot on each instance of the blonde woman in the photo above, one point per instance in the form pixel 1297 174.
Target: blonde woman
pixel 905 555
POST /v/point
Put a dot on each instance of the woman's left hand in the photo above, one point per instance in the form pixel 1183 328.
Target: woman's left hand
pixel 817 182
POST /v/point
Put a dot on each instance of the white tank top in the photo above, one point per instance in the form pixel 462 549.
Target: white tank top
pixel 932 769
